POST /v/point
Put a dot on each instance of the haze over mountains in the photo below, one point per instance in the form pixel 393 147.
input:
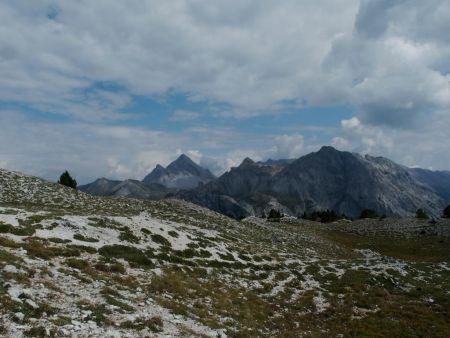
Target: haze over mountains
pixel 328 179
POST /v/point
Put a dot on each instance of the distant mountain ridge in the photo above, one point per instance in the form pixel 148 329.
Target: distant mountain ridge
pixel 328 179
pixel 127 188
pixel 183 173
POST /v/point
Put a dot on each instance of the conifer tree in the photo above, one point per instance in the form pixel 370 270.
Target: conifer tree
pixel 67 180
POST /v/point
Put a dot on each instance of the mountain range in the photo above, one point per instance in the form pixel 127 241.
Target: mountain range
pixel 183 173
pixel 327 179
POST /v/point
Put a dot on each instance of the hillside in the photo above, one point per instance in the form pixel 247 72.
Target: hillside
pixel 126 188
pixel 439 181
pixel 72 264
pixel 328 179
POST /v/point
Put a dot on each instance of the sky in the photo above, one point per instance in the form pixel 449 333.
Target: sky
pixel 110 89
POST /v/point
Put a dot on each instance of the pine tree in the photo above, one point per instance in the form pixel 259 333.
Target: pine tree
pixel 447 212
pixel 368 213
pixel 67 180
pixel 421 214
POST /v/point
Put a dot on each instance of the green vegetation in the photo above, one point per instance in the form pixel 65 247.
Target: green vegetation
pixel 446 213
pixel 154 324
pixel 19 231
pixel 132 255
pixel 421 214
pixel 67 180
pixel 326 216
pixel 127 235
pixel 173 234
pixel 80 237
pixel 274 215
pixel 157 238
pixel 368 213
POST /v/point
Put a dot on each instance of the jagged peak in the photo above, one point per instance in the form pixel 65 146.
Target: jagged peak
pixel 247 161
pixel 325 149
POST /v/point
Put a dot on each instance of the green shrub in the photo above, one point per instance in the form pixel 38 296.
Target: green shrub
pixel 146 231
pixel 157 238
pixel 173 234
pixel 275 215
pixel 127 235
pixel 154 324
pixel 18 231
pixel 80 237
pixel 134 256
pixel 77 263
pixel 446 213
pixel 421 214
pixel 368 213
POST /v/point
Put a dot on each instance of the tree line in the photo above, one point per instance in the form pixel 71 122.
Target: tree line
pixel 328 216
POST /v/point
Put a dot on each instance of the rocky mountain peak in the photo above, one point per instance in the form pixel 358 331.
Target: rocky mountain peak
pixel 246 162
pixel 183 173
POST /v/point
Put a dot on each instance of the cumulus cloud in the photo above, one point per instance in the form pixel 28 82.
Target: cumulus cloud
pixel 389 59
pixel 424 149
pixel 252 55
pixel 88 150
pixel 287 146
pixel 89 60
pixel 395 70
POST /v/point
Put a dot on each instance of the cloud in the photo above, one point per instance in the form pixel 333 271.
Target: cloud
pixel 424 149
pixel 388 60
pixel 184 115
pixel 391 68
pixel 252 55
pixel 87 150
pixel 287 146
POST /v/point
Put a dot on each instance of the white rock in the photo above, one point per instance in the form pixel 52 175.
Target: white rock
pixel 10 268
pixel 19 316
pixel 32 304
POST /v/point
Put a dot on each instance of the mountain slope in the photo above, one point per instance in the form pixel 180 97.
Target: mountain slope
pixel 439 181
pixel 76 265
pixel 127 188
pixel 328 179
pixel 182 173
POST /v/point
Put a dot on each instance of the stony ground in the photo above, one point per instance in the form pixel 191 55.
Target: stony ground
pixel 73 265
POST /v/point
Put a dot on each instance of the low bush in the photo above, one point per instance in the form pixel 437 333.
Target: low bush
pixel 132 255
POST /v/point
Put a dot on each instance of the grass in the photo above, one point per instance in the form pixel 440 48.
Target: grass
pixel 99 312
pixel 9 258
pixel 19 231
pixel 422 249
pixel 77 263
pixel 132 255
pixel 127 235
pixel 154 324
pixel 85 239
pixel 235 292
pixel 38 248
pixel 115 302
pixel 114 267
